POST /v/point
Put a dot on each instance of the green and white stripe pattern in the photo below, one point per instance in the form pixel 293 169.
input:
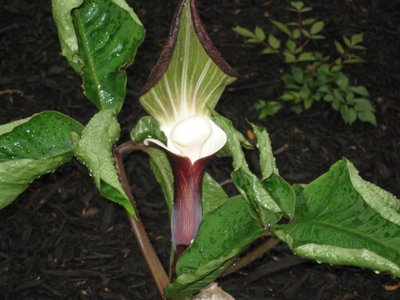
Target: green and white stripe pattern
pixel 192 83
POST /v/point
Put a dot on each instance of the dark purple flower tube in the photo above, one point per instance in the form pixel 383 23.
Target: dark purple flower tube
pixel 186 209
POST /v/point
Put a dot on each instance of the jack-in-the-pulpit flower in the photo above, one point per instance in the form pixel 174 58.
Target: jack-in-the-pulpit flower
pixel 190 144
pixel 183 88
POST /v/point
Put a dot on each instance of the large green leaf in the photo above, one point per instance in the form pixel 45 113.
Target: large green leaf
pixel 190 75
pixel 247 183
pixel 32 147
pixel 222 236
pixel 342 219
pixel 95 152
pixel 99 39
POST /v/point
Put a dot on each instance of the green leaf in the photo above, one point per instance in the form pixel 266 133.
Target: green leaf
pixel 298 74
pixel 95 152
pixel 343 82
pixel 339 47
pixel 342 219
pixel 297 109
pixel 367 116
pixel 306 56
pixel 291 46
pixel 359 47
pixel 268 108
pixel 223 235
pixel 32 147
pixel 357 38
pixel 362 104
pixel 349 115
pixel 267 159
pixel 99 39
pixel 260 34
pixel 347 42
pixel 273 41
pixel 66 31
pixel 317 37
pixel 298 5
pixel 282 27
pixel 269 51
pixel 305 93
pixel 190 75
pixel 305 9
pixel 162 172
pixel 243 32
pixel 338 95
pixel 353 59
pixel 147 127
pixel 247 183
pixel 360 90
pixel 282 193
pixel 308 21
pixel 289 57
pixel 317 27
pixel 306 33
pixel 213 195
pixel 296 34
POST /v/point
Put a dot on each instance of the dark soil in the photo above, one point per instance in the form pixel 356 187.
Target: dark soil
pixel 61 240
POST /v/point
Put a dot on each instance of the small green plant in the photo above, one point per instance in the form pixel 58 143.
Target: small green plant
pixel 312 76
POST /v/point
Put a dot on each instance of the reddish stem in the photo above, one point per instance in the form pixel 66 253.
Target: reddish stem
pixel 153 262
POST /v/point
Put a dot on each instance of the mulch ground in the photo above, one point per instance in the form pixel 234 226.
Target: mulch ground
pixel 61 240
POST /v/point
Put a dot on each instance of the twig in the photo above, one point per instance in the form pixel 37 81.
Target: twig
pixel 252 256
pixel 153 262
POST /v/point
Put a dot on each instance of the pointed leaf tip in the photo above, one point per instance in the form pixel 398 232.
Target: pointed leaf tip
pixel 190 74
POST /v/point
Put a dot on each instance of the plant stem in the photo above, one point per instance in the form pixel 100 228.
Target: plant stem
pixel 153 262
pixel 252 256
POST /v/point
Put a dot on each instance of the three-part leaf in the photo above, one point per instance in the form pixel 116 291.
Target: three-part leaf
pixel 32 147
pixel 342 219
pixel 99 39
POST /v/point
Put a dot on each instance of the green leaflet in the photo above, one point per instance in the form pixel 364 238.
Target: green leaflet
pixel 378 199
pixel 282 193
pixel 188 79
pixel 267 159
pixel 147 127
pixel 277 187
pixel 163 174
pixel 212 194
pixel 66 31
pixel 32 147
pixel 247 183
pixel 335 224
pixel 95 152
pixel 99 39
pixel 222 235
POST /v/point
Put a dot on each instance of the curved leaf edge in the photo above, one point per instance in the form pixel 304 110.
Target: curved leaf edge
pixel 166 54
